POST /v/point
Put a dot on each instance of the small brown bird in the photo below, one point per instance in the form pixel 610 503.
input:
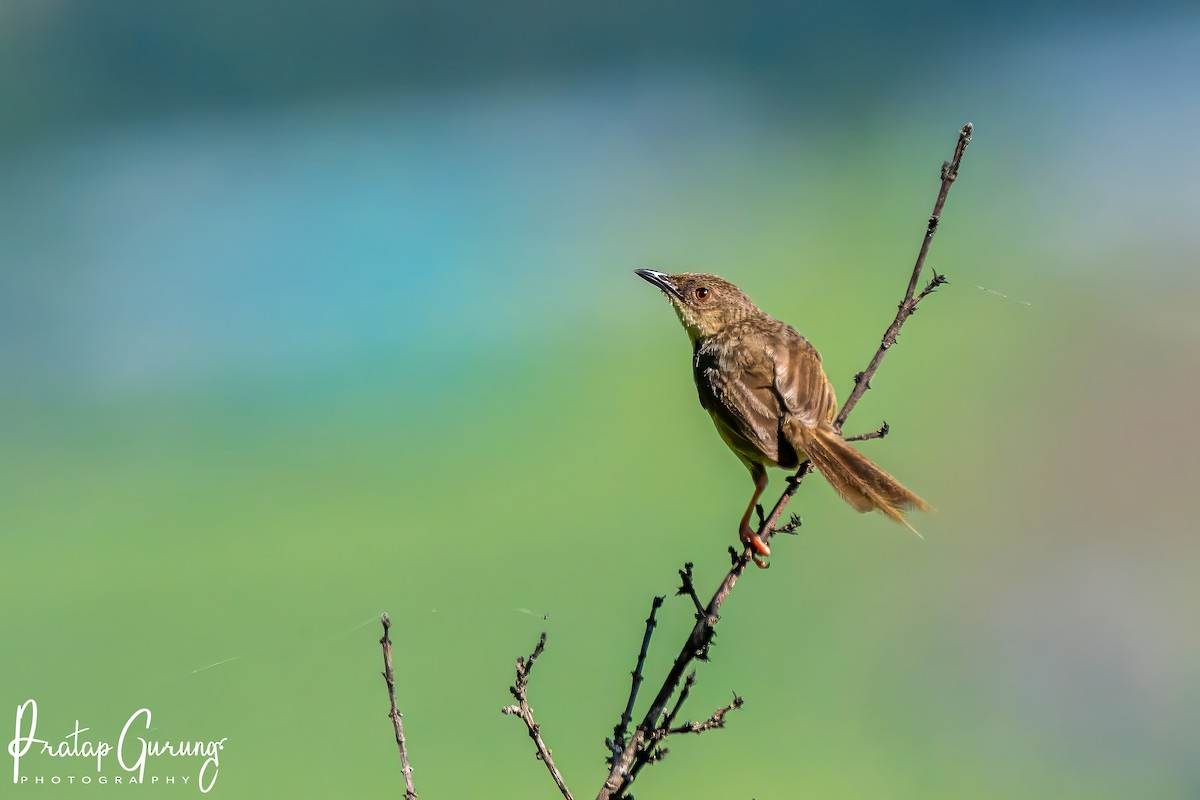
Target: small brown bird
pixel 763 385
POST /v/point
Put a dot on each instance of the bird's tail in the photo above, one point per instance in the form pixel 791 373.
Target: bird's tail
pixel 855 477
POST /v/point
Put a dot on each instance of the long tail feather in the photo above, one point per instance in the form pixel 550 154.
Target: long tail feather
pixel 859 481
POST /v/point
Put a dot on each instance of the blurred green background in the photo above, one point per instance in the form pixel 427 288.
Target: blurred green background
pixel 311 312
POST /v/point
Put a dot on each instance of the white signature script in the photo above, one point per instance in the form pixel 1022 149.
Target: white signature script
pixel 132 751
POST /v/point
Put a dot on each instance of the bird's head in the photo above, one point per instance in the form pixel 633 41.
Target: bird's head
pixel 705 304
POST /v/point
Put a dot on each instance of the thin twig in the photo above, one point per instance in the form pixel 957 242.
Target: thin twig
pixel 522 710
pixel 654 751
pixel 617 743
pixel 792 525
pixel 621 776
pixel 882 431
pixel 686 586
pixel 697 642
pixel 716 720
pixel 409 792
pixel 862 381
pixel 936 281
pixel 688 683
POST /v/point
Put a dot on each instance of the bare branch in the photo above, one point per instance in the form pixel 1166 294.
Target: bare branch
pixel 522 710
pixel 641 747
pixel 621 731
pixel 717 720
pixel 908 305
pixel 409 792
pixel 686 586
pixel 669 719
pixel 931 287
pixel 654 751
pixel 792 525
pixel 696 646
pixel 879 433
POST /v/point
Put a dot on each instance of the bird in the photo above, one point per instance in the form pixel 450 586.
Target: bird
pixel 766 390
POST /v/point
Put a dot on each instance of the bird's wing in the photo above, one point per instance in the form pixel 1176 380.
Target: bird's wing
pixel 738 391
pixel 800 381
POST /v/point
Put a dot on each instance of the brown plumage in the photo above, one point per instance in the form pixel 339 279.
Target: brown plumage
pixel 766 391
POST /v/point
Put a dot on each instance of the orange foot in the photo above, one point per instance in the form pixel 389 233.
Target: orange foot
pixel 751 539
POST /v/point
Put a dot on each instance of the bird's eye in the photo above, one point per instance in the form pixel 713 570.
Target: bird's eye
pixel 702 293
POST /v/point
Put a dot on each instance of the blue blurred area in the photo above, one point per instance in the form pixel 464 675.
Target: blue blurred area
pixel 64 65
pixel 189 238
pixel 280 233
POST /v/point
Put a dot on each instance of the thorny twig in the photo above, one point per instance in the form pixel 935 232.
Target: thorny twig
pixel 655 751
pixel 882 431
pixel 715 720
pixel 409 792
pixel 641 744
pixel 669 719
pixel 908 305
pixel 522 710
pixel 617 743
pixel 792 525
pixel 686 586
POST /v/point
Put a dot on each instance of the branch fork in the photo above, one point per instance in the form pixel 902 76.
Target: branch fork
pixel 630 752
pixel 522 710
pixel 641 749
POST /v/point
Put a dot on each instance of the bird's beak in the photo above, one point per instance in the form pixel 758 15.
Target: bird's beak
pixel 659 279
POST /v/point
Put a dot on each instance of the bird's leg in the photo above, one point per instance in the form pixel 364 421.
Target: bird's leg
pixel 748 535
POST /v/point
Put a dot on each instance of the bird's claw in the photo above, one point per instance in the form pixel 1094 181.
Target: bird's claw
pixel 757 546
